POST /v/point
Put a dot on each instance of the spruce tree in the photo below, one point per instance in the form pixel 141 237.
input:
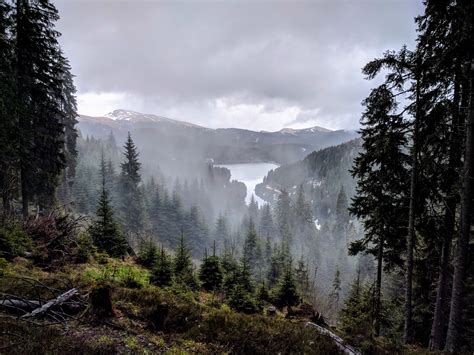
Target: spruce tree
pixel 104 231
pixel 132 206
pixel 210 272
pixel 336 289
pixel 302 278
pixel 356 316
pixel 283 216
pixel 148 253
pixel 287 293
pixel 342 210
pixel 266 227
pixel 183 265
pixel 8 127
pixel 380 169
pixel 43 101
pixel 162 273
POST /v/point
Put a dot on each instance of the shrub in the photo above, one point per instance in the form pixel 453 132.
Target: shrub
pixel 242 301
pixel 14 241
pixel 148 254
pixel 255 334
pixel 85 248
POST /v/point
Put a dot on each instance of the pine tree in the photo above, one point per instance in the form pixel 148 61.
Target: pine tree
pixel 104 231
pixel 283 216
pixel 342 211
pixel 252 250
pixel 44 96
pixel 287 293
pixel 356 317
pixel 302 278
pixel 462 253
pixel 210 272
pixel 132 206
pixel 162 273
pixel 183 265
pixel 148 253
pixel 8 131
pixel 266 227
pixel 380 170
pixel 336 289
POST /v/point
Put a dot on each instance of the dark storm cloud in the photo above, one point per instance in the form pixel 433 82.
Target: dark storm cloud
pixel 214 62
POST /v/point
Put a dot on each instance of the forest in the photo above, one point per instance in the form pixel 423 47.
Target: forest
pixel 129 237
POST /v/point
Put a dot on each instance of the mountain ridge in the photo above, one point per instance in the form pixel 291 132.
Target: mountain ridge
pixel 135 116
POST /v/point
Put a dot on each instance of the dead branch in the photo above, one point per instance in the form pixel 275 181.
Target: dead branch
pixel 55 302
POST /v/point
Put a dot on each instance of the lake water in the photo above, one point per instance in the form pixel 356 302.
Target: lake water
pixel 250 174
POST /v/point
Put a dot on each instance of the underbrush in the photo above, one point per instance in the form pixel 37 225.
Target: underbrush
pixel 148 319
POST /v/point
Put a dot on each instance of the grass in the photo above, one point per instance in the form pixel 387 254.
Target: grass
pixel 193 323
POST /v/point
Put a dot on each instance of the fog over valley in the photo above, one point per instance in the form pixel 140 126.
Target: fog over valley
pixel 236 177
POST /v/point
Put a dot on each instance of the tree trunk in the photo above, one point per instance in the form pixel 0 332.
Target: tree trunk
pixel 24 194
pixel 378 289
pixel 455 149
pixel 407 334
pixel 455 316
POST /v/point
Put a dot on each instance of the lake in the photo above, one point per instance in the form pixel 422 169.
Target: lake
pixel 250 174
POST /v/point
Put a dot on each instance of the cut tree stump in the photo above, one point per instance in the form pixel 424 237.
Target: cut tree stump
pixel 101 302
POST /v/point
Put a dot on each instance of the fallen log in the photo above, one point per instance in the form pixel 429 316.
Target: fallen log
pixel 52 303
pixel 340 343
pixel 19 304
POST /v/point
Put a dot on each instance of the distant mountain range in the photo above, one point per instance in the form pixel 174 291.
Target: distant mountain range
pixel 170 142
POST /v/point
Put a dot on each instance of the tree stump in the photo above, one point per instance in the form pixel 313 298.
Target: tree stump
pixel 158 317
pixel 101 302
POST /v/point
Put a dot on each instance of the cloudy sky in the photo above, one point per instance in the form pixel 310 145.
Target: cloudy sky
pixel 249 64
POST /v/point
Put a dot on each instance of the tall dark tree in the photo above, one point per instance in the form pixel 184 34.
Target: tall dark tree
pixel 162 273
pixel 8 123
pixel 183 265
pixel 132 207
pixel 104 231
pixel 380 170
pixel 462 253
pixel 41 76
pixel 342 210
pixel 283 216
pixel 210 272
pixel 287 292
pixel 266 227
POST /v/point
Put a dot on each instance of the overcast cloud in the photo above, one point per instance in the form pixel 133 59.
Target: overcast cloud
pixel 249 64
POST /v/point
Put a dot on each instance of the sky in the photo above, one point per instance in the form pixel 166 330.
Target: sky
pixel 259 65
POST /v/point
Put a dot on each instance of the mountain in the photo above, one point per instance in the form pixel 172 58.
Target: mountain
pixel 321 174
pixel 174 144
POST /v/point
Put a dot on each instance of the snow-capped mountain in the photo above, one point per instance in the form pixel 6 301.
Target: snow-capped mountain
pixel 164 138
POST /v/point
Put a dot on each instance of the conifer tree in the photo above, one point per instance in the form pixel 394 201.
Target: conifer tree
pixel 162 273
pixel 8 131
pixel 287 293
pixel 302 278
pixel 252 251
pixel 336 289
pixel 266 227
pixel 356 316
pixel 44 94
pixel 148 253
pixel 210 272
pixel 183 265
pixel 132 206
pixel 104 231
pixel 342 210
pixel 380 170
pixel 283 216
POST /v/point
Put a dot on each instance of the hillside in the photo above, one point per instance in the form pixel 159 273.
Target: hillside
pixel 165 140
pixel 322 174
